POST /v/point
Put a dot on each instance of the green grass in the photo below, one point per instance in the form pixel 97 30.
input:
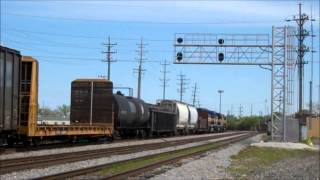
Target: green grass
pixel 138 163
pixel 256 158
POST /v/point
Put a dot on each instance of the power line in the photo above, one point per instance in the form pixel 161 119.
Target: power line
pixel 312 63
pixel 195 95
pixel 56 45
pixel 301 19
pixel 76 45
pixel 182 82
pixel 164 80
pixel 141 52
pixel 137 22
pixel 109 52
pixel 79 35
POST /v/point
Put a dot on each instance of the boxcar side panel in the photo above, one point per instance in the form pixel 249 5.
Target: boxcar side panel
pixel 10 61
pixel 163 121
pixel 203 119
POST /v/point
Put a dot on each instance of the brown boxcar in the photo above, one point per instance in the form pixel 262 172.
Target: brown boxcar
pixel 10 62
pixel 203 117
pixel 91 101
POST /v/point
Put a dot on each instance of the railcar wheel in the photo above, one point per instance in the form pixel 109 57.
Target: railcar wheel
pixel 35 142
pixel 10 141
pixel 25 141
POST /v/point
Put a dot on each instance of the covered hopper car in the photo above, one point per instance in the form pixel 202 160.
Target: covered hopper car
pixel 186 115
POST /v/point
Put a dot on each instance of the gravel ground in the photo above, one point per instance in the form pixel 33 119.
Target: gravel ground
pixel 100 146
pixel 35 173
pixel 284 145
pixel 294 168
pixel 211 166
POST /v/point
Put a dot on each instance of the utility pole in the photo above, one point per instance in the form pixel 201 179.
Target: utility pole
pixel 251 110
pixel 195 95
pixel 109 52
pixel 182 83
pixel 141 59
pixel 164 79
pixel 220 92
pixel 301 19
pixel 240 111
pixel 312 63
pixel 231 109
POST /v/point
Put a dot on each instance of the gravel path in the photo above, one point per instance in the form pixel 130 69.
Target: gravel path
pixel 211 166
pixel 35 173
pixel 294 168
pixel 284 145
pixel 101 146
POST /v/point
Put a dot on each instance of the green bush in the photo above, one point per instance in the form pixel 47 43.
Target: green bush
pixel 249 123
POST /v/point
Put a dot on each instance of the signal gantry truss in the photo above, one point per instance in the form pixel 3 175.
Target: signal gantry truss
pixel 249 49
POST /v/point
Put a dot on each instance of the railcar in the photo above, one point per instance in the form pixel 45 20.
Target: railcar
pixel 163 122
pixel 23 117
pixel 91 102
pixel 10 64
pixel 95 110
pixel 131 116
pixel 193 119
pixel 203 120
pixel 183 115
pixel 216 122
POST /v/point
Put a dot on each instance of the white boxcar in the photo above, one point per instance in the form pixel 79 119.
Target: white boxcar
pixel 193 117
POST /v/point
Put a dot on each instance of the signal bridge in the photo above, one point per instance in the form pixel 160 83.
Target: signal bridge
pixel 249 49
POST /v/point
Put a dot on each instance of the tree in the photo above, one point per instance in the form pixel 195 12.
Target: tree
pixel 63 110
pixel 45 111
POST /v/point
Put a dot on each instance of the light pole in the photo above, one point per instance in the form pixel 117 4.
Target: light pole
pixel 220 92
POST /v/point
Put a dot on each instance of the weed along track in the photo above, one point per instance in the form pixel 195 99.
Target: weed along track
pixel 136 166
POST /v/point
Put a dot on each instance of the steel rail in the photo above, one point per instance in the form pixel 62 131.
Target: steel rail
pixel 18 164
pixel 126 174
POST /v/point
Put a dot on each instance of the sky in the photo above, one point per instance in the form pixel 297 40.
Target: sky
pixel 67 38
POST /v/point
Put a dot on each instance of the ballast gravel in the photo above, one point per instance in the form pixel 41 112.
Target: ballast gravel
pixel 36 173
pixel 102 146
pixel 210 166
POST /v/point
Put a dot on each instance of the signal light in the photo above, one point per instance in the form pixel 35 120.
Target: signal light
pixel 179 56
pixel 180 40
pixel 221 57
pixel 221 41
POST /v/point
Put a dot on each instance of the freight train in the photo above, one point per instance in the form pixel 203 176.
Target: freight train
pixel 95 111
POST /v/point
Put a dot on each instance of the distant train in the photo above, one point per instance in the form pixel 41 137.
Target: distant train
pixel 95 110
pixel 92 102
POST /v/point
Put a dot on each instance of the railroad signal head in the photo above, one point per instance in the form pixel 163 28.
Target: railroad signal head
pixel 179 40
pixel 220 57
pixel 179 56
pixel 221 41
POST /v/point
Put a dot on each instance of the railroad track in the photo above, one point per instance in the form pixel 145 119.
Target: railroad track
pixel 140 170
pixel 18 164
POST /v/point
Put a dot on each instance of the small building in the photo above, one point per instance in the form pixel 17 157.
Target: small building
pixel 313 124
